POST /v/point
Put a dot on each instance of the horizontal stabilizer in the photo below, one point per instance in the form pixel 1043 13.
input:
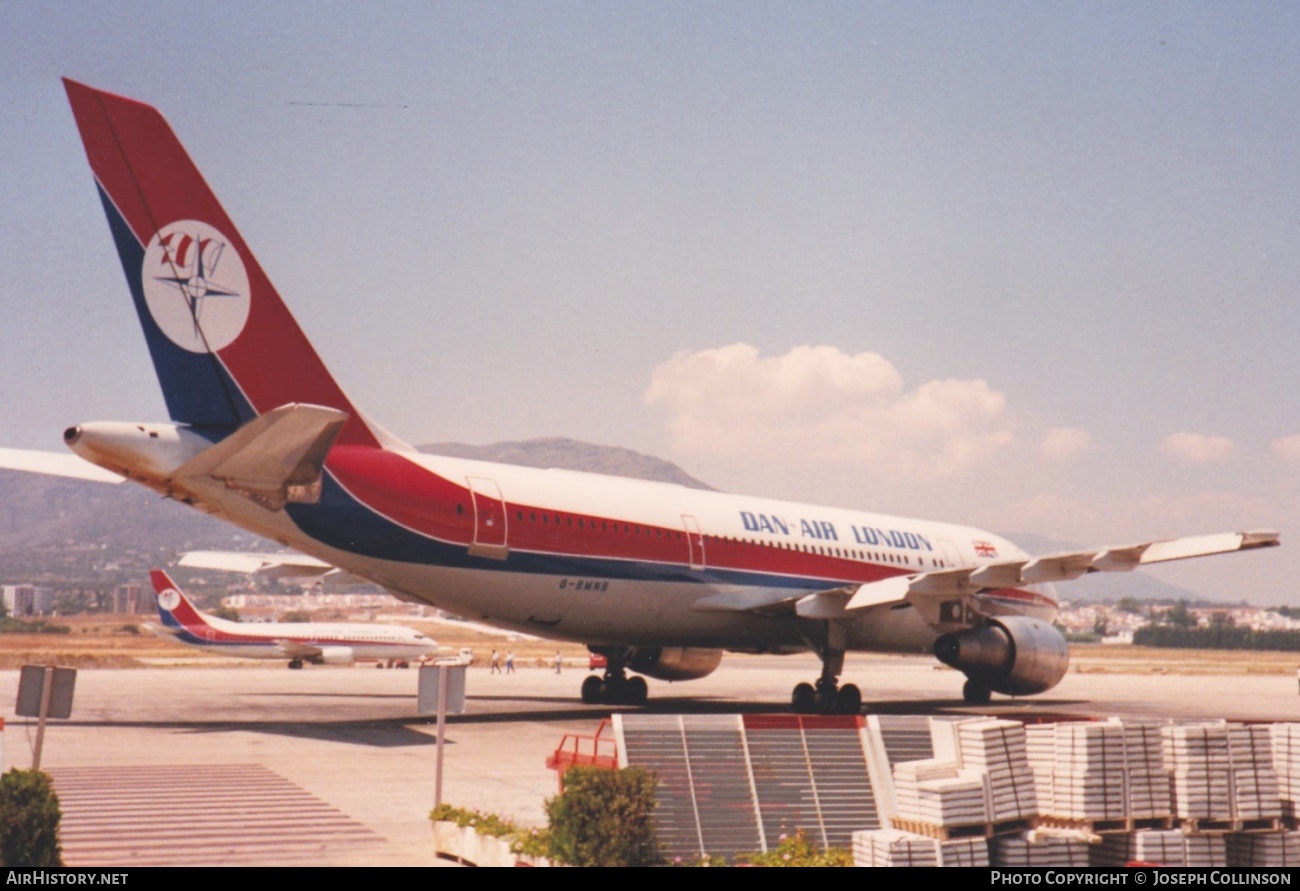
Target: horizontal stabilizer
pixel 288 565
pixel 56 464
pixel 275 458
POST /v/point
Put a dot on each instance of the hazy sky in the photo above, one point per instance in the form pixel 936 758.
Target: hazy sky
pixel 1029 266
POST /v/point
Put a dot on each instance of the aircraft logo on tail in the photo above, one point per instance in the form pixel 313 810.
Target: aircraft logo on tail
pixel 196 286
pixel 169 599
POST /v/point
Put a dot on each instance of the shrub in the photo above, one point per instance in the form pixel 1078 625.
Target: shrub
pixel 534 842
pixel 603 818
pixel 29 820
pixel 799 850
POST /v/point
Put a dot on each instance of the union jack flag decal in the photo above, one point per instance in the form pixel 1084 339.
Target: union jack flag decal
pixel 984 549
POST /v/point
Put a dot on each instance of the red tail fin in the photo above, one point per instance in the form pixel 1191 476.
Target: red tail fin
pixel 223 343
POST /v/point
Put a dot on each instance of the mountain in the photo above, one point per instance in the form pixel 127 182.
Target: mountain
pixel 570 454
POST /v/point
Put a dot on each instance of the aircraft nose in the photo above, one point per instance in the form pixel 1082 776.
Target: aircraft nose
pixel 71 435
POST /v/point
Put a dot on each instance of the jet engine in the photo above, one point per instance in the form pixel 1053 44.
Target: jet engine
pixel 675 663
pixel 1013 655
pixel 335 656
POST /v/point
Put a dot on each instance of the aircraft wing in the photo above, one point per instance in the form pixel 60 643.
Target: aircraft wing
pixel 63 464
pixel 293 650
pixel 1061 567
pixel 927 589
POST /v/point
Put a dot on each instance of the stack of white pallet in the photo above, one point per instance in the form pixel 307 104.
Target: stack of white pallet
pixel 1088 773
pixel 1286 763
pixel 1040 751
pixel 1020 851
pixel 1268 850
pixel 1255 793
pixel 889 847
pixel 1206 850
pixel 996 749
pixel 1197 755
pixel 940 793
pixel 1146 780
pixel 1171 847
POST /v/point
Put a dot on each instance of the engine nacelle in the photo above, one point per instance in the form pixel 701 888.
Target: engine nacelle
pixel 1013 655
pixel 675 663
pixel 335 656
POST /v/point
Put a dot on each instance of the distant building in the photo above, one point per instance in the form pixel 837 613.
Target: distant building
pixel 27 600
pixel 134 599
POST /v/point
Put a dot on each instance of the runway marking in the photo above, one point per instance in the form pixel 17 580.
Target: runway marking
pixel 197 815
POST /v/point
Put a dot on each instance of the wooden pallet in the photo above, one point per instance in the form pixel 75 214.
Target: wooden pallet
pixel 1092 827
pixel 1012 827
pixel 1194 826
pixel 971 830
pixel 1154 823
pixel 939 831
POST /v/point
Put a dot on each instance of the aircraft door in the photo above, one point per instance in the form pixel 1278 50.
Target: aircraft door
pixel 694 542
pixel 489 518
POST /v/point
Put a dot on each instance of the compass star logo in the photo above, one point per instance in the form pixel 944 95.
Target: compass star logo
pixel 196 286
pixel 169 599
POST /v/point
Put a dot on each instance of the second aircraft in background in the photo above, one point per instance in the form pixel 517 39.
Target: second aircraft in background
pixel 322 643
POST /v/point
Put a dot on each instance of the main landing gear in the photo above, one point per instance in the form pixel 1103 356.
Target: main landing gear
pixel 827 697
pixel 295 663
pixel 615 688
pixel 976 693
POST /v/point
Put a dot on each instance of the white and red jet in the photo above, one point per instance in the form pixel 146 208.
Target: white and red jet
pixel 321 643
pixel 658 578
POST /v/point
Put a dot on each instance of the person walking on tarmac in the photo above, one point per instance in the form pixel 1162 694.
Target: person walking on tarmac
pixel 496 664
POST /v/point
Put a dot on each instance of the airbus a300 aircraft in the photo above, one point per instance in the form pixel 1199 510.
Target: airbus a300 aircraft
pixel 658 578
pixel 321 643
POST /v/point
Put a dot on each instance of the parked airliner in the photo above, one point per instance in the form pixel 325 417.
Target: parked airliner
pixel 659 579
pixel 321 643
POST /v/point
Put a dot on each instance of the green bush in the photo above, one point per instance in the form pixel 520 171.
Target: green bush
pixel 29 820
pixel 603 818
pixel 799 850
pixel 534 842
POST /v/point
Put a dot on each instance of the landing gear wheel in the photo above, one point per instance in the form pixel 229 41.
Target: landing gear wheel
pixel 295 663
pixel 635 691
pixel 976 694
pixel 849 700
pixel 804 699
pixel 592 688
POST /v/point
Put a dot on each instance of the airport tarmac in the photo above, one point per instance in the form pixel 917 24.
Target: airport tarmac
pixel 332 765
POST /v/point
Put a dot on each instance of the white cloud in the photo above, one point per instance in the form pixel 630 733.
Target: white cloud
pixel 1196 448
pixel 1064 443
pixel 821 403
pixel 1288 448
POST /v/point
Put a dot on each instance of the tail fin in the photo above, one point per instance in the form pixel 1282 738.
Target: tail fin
pixel 174 608
pixel 225 347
